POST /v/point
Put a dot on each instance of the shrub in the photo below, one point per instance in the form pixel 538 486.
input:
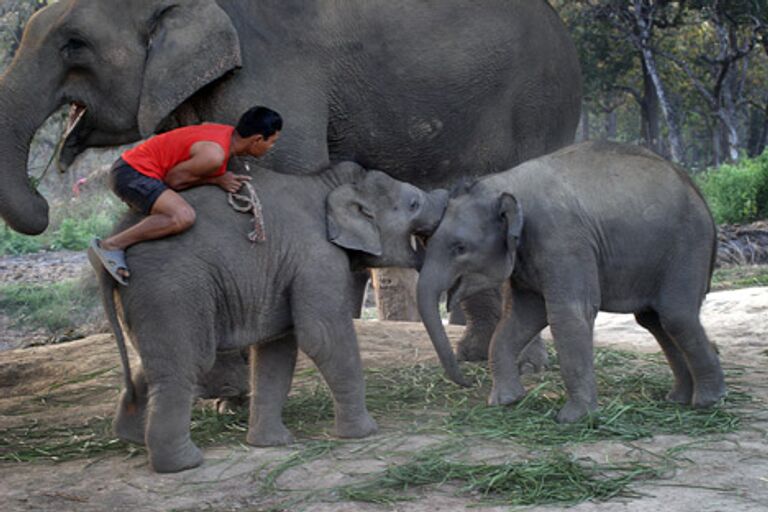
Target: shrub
pixel 737 193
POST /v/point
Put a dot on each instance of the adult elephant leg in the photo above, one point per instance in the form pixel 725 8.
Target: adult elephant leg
pixel 482 312
pixel 396 294
pixel 682 391
pixel 359 287
pixel 130 417
pixel 272 366
pixel 524 317
pixel 227 381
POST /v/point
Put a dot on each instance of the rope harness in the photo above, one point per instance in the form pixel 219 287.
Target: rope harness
pixel 250 203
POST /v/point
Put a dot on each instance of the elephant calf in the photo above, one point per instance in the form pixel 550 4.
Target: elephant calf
pixel 210 289
pixel 596 226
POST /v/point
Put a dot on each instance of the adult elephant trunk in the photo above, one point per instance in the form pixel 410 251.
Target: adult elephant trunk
pixel 24 105
pixel 432 282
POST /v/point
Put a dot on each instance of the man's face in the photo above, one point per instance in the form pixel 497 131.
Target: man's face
pixel 259 145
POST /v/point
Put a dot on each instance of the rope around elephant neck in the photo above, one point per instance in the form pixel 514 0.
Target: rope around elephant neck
pixel 252 204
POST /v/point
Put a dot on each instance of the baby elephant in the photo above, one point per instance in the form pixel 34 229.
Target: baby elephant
pixel 595 226
pixel 210 290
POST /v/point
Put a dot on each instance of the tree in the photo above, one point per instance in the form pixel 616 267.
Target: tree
pixel 717 67
pixel 636 21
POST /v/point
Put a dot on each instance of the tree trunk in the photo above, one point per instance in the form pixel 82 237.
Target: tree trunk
pixel 610 125
pixel 675 140
pixel 396 294
pixel 584 131
pixel 649 111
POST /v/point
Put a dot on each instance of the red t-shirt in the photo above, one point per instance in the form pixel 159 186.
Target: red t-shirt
pixel 161 153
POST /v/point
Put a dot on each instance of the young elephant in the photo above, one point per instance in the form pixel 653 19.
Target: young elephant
pixel 596 226
pixel 211 289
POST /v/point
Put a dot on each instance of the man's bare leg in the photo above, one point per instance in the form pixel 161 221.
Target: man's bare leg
pixel 170 214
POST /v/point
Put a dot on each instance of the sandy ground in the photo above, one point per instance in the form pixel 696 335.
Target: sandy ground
pixel 71 383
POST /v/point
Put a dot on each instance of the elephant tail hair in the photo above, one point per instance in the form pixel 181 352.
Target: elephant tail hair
pixel 108 288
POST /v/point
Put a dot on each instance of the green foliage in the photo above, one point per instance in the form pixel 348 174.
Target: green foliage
pixel 12 242
pixel 78 222
pixel 737 193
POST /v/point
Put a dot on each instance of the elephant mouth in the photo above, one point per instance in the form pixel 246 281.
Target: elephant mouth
pixel 454 295
pixel 418 244
pixel 69 146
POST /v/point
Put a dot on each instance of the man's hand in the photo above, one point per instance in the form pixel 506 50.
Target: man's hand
pixel 231 182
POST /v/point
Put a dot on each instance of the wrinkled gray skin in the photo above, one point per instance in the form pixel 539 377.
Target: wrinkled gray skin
pixel 425 91
pixel 596 226
pixel 210 289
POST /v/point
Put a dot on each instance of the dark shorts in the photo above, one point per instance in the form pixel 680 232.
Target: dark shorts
pixel 135 189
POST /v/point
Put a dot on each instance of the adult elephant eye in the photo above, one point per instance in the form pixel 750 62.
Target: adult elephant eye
pixel 73 48
pixel 414 205
pixel 458 249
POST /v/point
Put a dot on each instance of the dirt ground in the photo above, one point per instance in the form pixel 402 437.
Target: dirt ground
pixel 72 383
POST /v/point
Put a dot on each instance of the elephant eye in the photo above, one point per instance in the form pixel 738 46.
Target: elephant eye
pixel 414 204
pixel 73 48
pixel 458 249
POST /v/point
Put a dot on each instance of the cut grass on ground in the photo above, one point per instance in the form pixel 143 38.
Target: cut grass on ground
pixel 419 400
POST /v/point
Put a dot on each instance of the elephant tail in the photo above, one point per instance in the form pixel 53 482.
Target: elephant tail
pixel 108 288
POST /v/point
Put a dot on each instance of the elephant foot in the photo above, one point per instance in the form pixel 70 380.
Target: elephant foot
pixel 276 435
pixel 681 395
pixel 129 431
pixel 707 395
pixel 473 346
pixel 356 428
pixel 506 394
pixel 165 460
pixel 128 424
pixel 534 359
pixel 573 411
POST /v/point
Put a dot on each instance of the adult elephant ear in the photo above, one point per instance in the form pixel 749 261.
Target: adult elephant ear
pixel 351 221
pixel 511 214
pixel 191 44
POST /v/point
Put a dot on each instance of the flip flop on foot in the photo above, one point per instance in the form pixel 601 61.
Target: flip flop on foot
pixel 112 261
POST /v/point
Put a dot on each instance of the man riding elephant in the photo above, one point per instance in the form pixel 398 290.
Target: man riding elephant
pixel 149 176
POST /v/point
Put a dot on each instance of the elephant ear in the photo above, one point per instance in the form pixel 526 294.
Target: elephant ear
pixel 191 44
pixel 511 213
pixel 351 221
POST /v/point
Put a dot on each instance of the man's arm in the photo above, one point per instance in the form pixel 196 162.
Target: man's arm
pixel 205 159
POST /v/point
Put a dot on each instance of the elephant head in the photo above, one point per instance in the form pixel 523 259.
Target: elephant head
pixel 121 81
pixel 383 220
pixel 472 250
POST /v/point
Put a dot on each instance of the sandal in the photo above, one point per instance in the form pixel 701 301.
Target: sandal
pixel 112 261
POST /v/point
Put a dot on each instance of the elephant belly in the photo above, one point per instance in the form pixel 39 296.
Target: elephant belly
pixel 254 325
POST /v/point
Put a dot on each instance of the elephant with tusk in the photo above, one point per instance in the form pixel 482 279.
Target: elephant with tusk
pixel 424 91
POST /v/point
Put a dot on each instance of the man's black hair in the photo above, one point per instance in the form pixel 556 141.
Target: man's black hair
pixel 259 121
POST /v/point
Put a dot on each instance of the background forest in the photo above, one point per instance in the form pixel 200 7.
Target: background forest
pixel 684 78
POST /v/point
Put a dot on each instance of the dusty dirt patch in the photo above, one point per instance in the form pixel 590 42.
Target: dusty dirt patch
pixel 74 383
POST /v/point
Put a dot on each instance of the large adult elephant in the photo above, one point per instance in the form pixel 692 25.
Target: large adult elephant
pixel 425 91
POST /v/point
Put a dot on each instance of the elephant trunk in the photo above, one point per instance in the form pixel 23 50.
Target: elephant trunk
pixel 24 105
pixel 430 287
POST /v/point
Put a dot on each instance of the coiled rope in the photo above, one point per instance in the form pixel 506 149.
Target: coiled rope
pixel 250 203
